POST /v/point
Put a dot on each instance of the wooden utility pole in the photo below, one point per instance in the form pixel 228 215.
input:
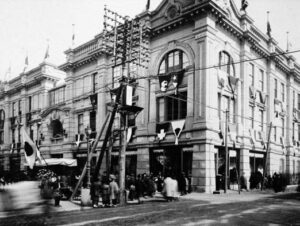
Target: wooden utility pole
pixel 267 153
pixel 89 158
pixel 226 151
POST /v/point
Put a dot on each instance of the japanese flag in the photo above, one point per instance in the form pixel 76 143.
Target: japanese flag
pixel 30 149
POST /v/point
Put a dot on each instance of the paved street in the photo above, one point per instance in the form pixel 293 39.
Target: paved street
pixel 249 208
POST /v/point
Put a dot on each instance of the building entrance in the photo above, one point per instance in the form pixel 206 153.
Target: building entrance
pixel 172 160
pixel 233 168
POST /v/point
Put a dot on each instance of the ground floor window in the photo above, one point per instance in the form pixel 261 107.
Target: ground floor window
pixel 233 167
pixel 172 160
pixel 256 169
pixel 130 164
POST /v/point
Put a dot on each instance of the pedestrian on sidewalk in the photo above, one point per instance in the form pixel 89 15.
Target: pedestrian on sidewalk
pixel 243 181
pixel 95 192
pixel 105 191
pixel 114 190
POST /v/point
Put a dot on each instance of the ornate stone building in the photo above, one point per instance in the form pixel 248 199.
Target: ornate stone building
pixel 206 57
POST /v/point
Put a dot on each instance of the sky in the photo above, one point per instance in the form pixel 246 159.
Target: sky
pixel 28 26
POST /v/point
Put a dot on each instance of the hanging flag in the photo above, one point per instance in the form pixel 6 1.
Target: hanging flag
pixel 177 128
pixel 30 149
pixel 164 82
pixel 262 139
pixel 161 130
pixel 176 78
pixel 268 25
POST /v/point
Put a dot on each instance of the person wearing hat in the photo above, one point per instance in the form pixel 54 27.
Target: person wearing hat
pixel 114 190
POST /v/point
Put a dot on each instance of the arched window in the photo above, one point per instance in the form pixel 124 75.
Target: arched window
pixel 226 63
pixel 57 128
pixel 173 61
pixel 172 106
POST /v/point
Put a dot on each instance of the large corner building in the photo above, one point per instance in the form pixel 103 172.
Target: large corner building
pixel 224 65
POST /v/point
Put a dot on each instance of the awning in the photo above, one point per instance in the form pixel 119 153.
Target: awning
pixel 57 161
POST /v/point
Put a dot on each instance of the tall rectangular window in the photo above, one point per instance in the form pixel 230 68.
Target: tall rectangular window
pixel 261 80
pixel 282 92
pixel 29 103
pixel 275 133
pixel 251 117
pixel 261 119
pixel 80 124
pixel 282 127
pixel 1 137
pixel 294 101
pixel 95 82
pixel 14 113
pixel 93 120
pixel 251 74
pixel 20 107
pixel 298 102
pixel 298 133
pixel 275 88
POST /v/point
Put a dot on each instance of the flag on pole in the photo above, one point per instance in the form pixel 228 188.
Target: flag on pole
pixel 288 43
pixel 30 148
pixel 268 25
pixel 73 35
pixel 148 5
pixel 26 63
pixel 47 53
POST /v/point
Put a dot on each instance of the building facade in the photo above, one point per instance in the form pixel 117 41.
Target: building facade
pixel 208 61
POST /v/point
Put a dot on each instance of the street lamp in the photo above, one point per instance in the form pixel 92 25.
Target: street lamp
pixel 88 132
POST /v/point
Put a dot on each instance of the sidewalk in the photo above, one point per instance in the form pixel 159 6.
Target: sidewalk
pixel 230 197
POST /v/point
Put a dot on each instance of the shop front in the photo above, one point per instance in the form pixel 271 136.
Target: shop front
pixel 171 160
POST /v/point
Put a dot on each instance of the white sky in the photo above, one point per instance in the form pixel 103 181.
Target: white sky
pixel 25 26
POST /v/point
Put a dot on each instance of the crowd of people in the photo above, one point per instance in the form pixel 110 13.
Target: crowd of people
pixel 142 185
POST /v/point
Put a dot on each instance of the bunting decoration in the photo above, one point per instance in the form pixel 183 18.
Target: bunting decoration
pixel 295 114
pixel 263 97
pixel 177 128
pixel 232 132
pixel 262 139
pixel 130 132
pixel 77 139
pixel 277 105
pixel 161 130
pixel 251 133
pixel 252 92
pixel 30 149
pixel 282 142
pixel 233 83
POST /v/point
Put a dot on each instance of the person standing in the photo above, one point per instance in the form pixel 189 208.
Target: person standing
pixel 95 192
pixel 114 190
pixel 167 188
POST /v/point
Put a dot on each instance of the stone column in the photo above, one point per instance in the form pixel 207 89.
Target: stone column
pixel 245 164
pixel 203 171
